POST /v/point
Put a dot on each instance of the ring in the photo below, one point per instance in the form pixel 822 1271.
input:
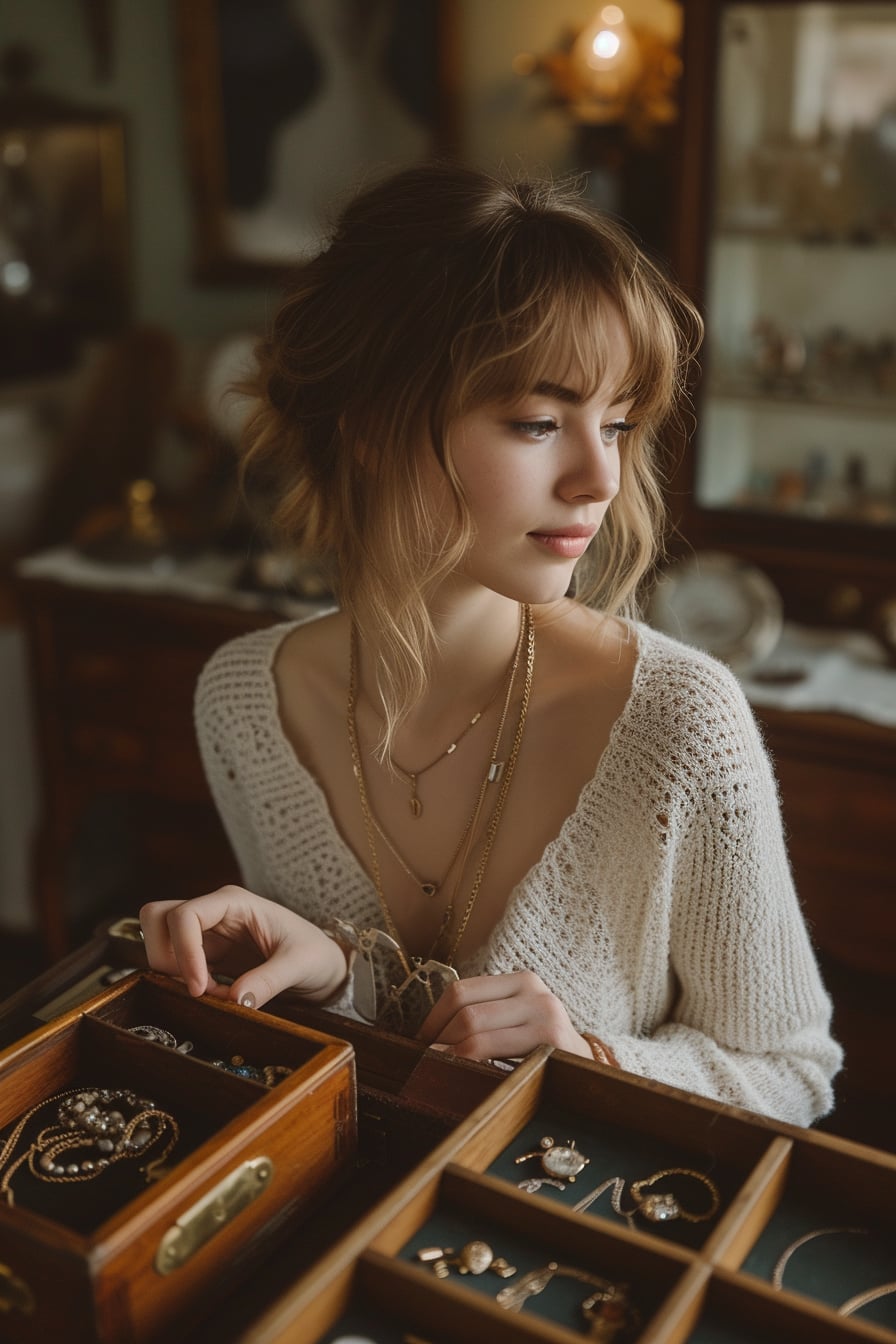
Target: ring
pixel 158 1036
pixel 663 1206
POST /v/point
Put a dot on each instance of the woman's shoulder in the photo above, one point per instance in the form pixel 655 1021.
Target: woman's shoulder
pixel 244 665
pixel 686 695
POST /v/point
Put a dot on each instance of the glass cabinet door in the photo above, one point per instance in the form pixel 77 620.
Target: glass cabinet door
pixel 798 402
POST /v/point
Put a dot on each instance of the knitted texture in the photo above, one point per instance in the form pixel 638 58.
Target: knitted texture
pixel 663 915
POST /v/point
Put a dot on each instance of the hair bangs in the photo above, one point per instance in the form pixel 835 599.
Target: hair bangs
pixel 556 335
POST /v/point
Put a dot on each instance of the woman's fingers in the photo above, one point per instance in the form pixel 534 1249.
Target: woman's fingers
pixel 463 994
pixel 501 1017
pixel 282 970
pixel 188 938
pixel 267 947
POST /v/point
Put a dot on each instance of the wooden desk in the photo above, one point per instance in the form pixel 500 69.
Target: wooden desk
pixel 838 789
pixel 114 674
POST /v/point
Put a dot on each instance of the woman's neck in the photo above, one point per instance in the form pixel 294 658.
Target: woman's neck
pixel 476 639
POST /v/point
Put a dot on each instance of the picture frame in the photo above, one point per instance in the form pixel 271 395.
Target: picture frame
pixel 64 249
pixel 288 104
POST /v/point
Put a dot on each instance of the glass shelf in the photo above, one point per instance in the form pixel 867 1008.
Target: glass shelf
pixel 799 399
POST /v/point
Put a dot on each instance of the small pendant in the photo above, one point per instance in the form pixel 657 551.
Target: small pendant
pixel 496 770
pixel 429 888
pixel 414 803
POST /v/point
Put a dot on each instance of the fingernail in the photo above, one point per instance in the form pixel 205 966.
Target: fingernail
pixel 436 1046
pixel 247 1001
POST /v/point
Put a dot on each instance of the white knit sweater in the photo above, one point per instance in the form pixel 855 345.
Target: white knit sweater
pixel 663 915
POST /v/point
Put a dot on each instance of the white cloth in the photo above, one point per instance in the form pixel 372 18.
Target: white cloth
pixel 826 671
pixel 663 915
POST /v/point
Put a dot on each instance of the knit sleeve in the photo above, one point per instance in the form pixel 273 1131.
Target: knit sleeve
pixel 750 1019
pixel 224 692
pixel 242 754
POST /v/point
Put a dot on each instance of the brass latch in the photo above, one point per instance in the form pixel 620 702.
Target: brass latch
pixel 213 1211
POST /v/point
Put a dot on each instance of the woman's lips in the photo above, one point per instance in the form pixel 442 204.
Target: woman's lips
pixel 570 544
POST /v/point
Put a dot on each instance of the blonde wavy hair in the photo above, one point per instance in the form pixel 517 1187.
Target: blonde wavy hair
pixel 442 289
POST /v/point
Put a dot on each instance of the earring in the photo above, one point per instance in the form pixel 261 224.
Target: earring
pixel 474 1258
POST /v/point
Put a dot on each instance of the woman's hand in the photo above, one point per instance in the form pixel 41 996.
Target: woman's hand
pixel 501 1017
pixel 264 946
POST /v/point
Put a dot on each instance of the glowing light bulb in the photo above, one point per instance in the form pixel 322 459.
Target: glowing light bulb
pixel 608 62
pixel 605 45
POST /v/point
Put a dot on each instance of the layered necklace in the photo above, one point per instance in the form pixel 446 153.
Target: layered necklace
pixel 411 777
pixel 497 772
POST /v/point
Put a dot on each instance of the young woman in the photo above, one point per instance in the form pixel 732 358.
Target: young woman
pixel 465 770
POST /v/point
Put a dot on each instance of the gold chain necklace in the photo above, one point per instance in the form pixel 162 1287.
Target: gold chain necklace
pixel 411 777
pixel 496 771
pixel 430 887
pixel 494 820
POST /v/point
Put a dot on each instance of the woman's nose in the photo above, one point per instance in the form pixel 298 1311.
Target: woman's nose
pixel 592 470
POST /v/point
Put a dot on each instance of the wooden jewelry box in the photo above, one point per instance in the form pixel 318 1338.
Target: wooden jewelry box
pixel 409 1100
pixel 777 1229
pixel 787 1225
pixel 135 1175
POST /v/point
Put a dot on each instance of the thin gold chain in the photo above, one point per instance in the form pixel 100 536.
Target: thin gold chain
pixel 430 888
pixel 412 777
pixel 526 635
pixel 427 886
pixel 494 820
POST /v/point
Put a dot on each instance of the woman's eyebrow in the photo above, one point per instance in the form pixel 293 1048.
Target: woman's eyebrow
pixel 559 392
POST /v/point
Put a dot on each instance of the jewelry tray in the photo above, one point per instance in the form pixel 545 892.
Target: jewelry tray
pixel 707 1284
pixel 110 1257
pixel 437 1139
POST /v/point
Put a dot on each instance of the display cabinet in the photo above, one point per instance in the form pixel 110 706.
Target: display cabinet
pixel 786 236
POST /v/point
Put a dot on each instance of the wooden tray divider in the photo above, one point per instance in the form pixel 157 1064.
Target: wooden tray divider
pixel 418 1189
pixel 151 1068
pixel 385 1060
pixel 560 1231
pixel 681 1309
pixel 303 1315
pixel 619 1098
pixel 227 1028
pixel 514 1104
pixel 753 1205
pixel 793 1317
pixel 451 1311
pixel 861 1182
pixel 30 1076
pixel 406 1219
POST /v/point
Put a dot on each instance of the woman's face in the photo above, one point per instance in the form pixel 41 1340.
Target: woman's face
pixel 538 475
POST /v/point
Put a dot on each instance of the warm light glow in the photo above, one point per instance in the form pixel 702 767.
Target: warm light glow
pixel 605 45
pixel 612 71
pixel 608 62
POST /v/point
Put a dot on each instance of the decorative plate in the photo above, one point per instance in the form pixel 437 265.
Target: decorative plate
pixel 720 604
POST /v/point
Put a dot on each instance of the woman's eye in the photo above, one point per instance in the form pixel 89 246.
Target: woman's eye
pixel 535 429
pixel 610 433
